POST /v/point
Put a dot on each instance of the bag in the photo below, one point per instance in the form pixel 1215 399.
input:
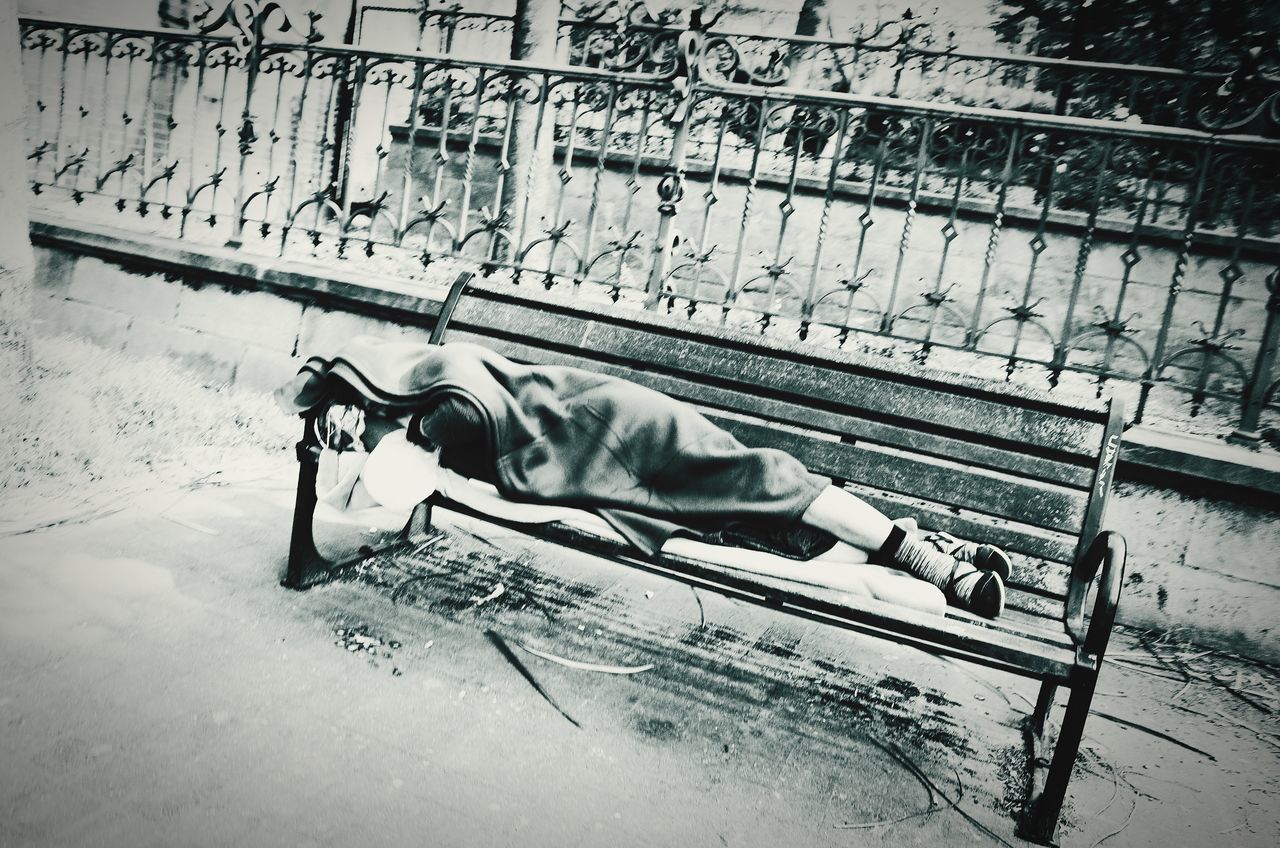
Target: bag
pixel 342 457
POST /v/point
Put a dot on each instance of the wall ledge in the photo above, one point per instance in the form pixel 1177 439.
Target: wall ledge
pixel 1231 470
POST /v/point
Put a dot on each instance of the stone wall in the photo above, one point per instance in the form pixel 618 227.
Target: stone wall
pixel 1201 563
pixel 1202 552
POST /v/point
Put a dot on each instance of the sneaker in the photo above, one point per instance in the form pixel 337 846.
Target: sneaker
pixel 984 557
pixel 979 592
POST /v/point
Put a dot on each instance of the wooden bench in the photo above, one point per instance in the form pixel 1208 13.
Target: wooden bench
pixel 965 456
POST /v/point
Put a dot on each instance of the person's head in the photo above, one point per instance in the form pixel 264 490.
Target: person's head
pixel 379 421
pixel 452 422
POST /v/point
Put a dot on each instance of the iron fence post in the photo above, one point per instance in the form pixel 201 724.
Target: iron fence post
pixel 671 186
pixel 1259 387
pixel 449 27
pixel 346 80
pixel 531 134
pixel 246 135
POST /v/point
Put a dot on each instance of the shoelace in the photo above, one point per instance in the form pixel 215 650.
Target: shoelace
pixel 951 546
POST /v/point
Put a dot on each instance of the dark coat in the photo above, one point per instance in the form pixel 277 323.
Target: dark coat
pixel 648 464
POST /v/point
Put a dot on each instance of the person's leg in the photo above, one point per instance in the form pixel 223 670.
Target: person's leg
pixel 857 523
pixel 849 518
pixel 983 556
pixel 843 553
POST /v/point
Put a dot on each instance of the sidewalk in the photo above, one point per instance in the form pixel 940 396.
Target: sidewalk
pixel 157 687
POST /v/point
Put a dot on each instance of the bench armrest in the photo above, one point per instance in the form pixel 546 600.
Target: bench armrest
pixel 1107 552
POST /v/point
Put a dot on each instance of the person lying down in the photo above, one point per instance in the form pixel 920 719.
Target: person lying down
pixel 651 468
pixel 378 486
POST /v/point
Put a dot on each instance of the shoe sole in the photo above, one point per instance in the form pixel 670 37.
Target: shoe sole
pixel 992 559
pixel 982 597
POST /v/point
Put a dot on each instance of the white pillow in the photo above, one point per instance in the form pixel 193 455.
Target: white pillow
pixel 399 474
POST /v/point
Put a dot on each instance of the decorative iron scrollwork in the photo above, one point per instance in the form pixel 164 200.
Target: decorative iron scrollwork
pixel 1008 226
pixel 248 23
pixel 670 192
pixel 1248 98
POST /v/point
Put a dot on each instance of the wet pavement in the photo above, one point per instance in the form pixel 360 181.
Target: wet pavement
pixel 157 687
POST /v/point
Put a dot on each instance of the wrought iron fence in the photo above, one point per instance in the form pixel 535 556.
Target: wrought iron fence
pixel 898 58
pixel 1135 259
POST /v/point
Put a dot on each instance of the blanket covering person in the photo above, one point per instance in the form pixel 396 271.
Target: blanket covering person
pixel 651 466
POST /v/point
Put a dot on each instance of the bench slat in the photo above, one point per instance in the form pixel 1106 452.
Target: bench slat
pixel 957 636
pixel 983 419
pixel 1037 569
pixel 891 435
pixel 862 429
pixel 1035 504
pixel 1035 651
pixel 1032 607
pixel 1057 548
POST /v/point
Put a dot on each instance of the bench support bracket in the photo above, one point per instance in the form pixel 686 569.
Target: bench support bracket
pixel 306 567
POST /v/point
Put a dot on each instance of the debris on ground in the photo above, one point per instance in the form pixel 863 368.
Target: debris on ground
pixel 360 640
pixel 498 591
pixel 510 656
pixel 586 666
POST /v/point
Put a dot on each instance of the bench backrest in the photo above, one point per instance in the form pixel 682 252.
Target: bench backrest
pixel 980 460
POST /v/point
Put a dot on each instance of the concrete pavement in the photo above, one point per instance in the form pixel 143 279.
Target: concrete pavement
pixel 157 687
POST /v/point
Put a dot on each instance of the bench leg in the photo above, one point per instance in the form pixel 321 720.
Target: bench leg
pixel 306 567
pixel 418 530
pixel 1041 818
pixel 1044 703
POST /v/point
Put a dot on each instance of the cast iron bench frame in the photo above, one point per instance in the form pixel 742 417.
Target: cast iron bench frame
pixel 1044 482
